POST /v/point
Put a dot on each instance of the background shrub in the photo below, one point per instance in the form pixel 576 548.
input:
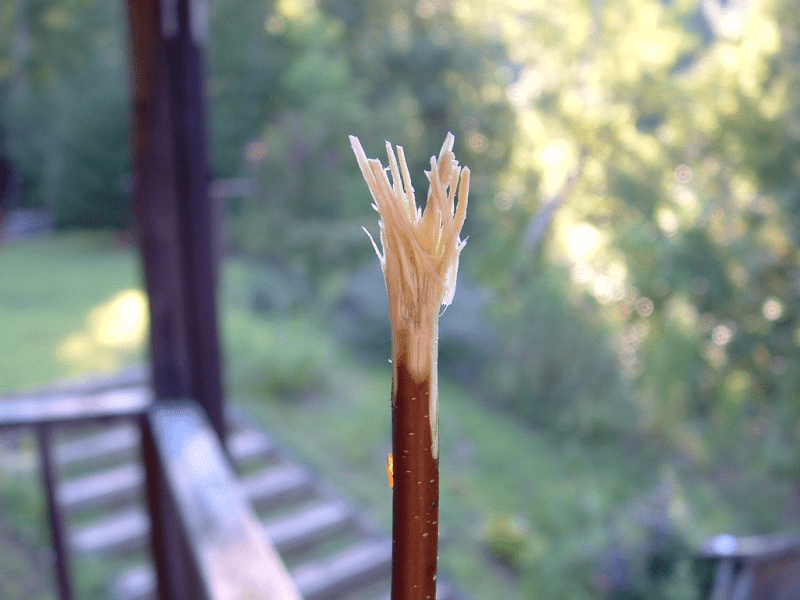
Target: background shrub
pixel 553 364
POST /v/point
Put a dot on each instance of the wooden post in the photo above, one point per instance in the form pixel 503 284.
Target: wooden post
pixel 55 513
pixel 174 220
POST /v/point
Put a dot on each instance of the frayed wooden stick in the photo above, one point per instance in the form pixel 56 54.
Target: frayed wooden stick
pixel 420 263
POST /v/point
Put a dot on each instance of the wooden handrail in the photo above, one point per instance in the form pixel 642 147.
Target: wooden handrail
pixel 761 547
pixel 45 412
pixel 221 535
pixel 207 541
pixel 62 409
pixel 751 567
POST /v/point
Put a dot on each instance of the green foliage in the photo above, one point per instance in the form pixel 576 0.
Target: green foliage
pixel 95 166
pixel 245 63
pixel 303 161
pixel 24 554
pixel 509 538
pixel 359 318
pixel 558 370
pixel 683 220
pixel 63 117
pixel 344 72
pixel 275 292
pixel 282 360
pixel 23 505
pixel 91 574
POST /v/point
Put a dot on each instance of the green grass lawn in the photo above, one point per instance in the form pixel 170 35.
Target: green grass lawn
pixel 48 288
pixel 559 511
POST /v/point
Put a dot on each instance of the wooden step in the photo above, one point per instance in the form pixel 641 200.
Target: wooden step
pixel 346 572
pixel 115 444
pixel 277 485
pixel 110 486
pixel 303 529
pixel 129 529
pixel 121 442
pixel 138 583
pixel 289 534
pixel 106 405
pixel 93 449
pixel 125 482
pixel 249 446
pixel 121 532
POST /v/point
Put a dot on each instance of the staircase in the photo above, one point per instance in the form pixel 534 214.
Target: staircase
pixel 331 551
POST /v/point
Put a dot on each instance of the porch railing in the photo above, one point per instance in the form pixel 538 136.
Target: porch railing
pixel 206 540
pixel 753 567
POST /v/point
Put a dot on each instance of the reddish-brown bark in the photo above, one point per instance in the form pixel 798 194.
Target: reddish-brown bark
pixel 415 525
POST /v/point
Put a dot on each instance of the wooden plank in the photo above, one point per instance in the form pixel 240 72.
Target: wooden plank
pixel 276 485
pixel 249 446
pixel 128 529
pixel 231 555
pixel 106 487
pixel 115 444
pixel 123 532
pixel 125 482
pixel 347 571
pixel 308 526
pixel 70 408
pixel 112 445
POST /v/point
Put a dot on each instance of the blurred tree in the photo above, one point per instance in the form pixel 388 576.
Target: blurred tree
pixel 50 50
pixel 246 58
pixel 301 158
pixel 683 225
pixel 381 71
pixel 441 74
pixel 93 190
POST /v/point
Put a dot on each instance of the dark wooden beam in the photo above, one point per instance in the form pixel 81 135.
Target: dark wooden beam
pixel 174 219
pixel 55 512
pixel 185 47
